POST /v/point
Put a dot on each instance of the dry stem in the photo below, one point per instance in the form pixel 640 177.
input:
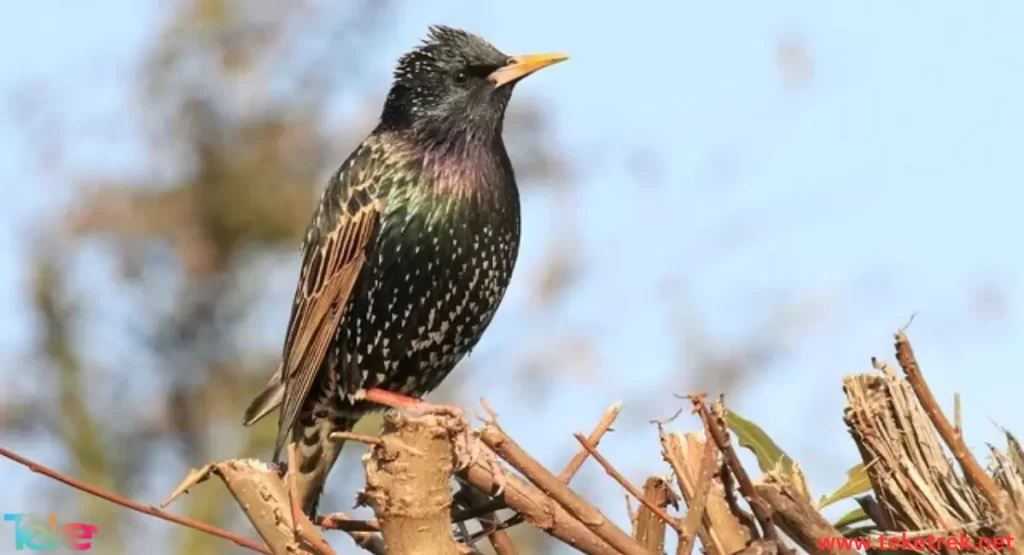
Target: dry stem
pixel 762 510
pixel 408 483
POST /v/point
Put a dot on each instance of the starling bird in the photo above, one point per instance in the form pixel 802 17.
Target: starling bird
pixel 407 255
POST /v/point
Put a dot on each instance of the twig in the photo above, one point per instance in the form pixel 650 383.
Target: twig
pixel 341 522
pixel 594 439
pixel 631 514
pixel 129 504
pixel 361 531
pixel 972 470
pixel 469 513
pixel 618 477
pixel 762 510
pixel 589 515
pixel 500 540
pixel 301 526
pixel 359 438
pixel 567 474
pixel 537 508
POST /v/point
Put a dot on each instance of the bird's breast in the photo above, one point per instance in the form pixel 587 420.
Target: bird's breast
pixel 435 278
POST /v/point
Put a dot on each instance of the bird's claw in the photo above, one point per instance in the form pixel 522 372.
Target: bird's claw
pixel 466 443
pixel 500 480
pixel 424 408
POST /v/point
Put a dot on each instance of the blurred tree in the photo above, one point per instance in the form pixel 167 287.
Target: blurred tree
pixel 235 104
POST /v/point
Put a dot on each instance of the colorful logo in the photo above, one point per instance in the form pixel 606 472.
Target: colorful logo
pixel 38 534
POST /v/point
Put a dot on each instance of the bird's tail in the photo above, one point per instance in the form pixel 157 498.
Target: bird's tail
pixel 316 454
pixel 268 400
pixel 315 451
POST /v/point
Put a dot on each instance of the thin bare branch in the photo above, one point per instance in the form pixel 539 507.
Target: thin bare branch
pixel 589 515
pixel 603 426
pixel 363 532
pixel 127 503
pixel 537 508
pixel 359 438
pixel 618 477
pixel 490 522
pixel 762 510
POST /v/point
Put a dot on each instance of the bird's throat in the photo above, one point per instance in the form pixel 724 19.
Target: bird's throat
pixel 471 171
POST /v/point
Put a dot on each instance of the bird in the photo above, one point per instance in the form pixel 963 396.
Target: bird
pixel 407 255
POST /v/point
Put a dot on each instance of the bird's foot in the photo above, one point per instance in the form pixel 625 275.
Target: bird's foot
pixel 466 443
pixel 464 440
pixel 500 478
pixel 279 468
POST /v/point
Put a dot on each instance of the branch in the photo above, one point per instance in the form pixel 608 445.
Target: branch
pixel 972 470
pixel 593 439
pixel 567 474
pixel 580 508
pixel 261 494
pixel 762 510
pixel 408 477
pixel 618 477
pixel 537 508
pixel 127 503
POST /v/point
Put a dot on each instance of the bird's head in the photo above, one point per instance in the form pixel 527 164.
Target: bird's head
pixel 456 83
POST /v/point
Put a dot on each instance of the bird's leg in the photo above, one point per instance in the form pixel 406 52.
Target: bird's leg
pixel 466 445
pixel 293 489
pixel 409 405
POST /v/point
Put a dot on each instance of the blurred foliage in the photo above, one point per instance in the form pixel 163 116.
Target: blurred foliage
pixel 234 108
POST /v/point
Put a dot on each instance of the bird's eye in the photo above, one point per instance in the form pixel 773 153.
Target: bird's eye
pixel 461 76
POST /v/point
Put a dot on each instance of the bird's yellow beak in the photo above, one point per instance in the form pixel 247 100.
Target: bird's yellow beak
pixel 521 66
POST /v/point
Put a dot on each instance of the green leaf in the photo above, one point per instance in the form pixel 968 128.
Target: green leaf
pixel 857 482
pixel 769 456
pixel 860 531
pixel 851 518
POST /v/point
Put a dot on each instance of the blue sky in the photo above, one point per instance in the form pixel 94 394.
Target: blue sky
pixel 889 185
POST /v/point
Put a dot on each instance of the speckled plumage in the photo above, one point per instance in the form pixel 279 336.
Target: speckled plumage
pixel 407 256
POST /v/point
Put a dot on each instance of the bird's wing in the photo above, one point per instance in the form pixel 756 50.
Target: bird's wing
pixel 332 261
